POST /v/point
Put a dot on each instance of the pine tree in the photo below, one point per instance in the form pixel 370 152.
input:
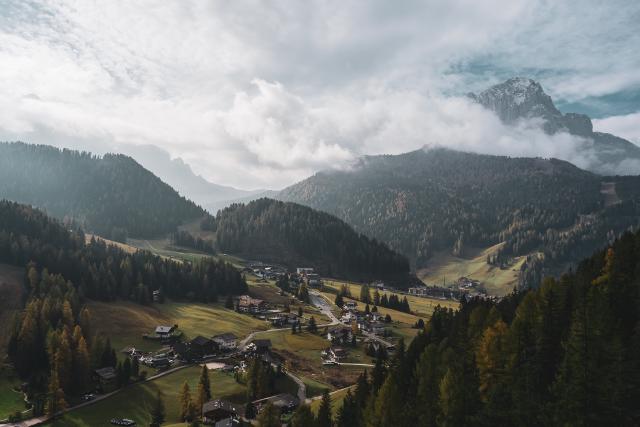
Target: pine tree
pixel 312 327
pixel 55 401
pixel 157 410
pixel 269 416
pixel 324 412
pixel 303 417
pixel 185 402
pixel 81 367
pixel 205 382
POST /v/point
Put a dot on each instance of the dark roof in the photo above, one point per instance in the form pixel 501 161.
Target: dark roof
pixel 262 343
pixel 227 422
pixel 106 373
pixel 228 336
pixel 200 340
pixel 218 404
pixel 284 400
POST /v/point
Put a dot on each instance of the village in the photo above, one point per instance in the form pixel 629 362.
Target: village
pixel 347 329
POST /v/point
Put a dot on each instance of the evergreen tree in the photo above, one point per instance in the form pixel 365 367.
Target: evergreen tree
pixel 303 417
pixel 269 416
pixel 312 327
pixel 324 412
pixel 205 382
pixel 184 400
pixel 157 412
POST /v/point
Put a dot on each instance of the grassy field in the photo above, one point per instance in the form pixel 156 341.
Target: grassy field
pixel 336 401
pixel 422 307
pixel 302 356
pixel 448 268
pixel 127 248
pixel 135 401
pixel 10 299
pixel 126 322
pixel 10 401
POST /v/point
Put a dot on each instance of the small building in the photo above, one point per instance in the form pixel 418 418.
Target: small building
pixel 164 332
pixel 377 328
pixel 337 353
pixel 201 346
pixel 218 410
pixel 313 280
pixel 284 319
pixel 303 271
pixel 262 345
pixel 285 402
pixel 226 341
pixel 340 335
pixel 107 379
pixel 246 304
pixel 350 305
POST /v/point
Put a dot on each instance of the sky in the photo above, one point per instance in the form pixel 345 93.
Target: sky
pixel 262 94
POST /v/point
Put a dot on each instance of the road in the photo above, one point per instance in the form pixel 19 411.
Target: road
pixel 45 418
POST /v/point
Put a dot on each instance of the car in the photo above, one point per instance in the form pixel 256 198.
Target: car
pixel 122 422
pixel 87 397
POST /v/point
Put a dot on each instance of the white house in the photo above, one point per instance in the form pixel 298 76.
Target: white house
pixel 227 341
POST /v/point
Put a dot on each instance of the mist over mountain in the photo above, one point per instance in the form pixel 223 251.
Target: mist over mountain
pixel 521 99
pixel 181 177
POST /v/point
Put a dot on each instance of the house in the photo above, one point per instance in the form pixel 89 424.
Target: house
pixel 350 305
pixel 337 353
pixel 284 319
pixel 218 410
pixel 313 280
pixel 262 345
pixel 303 271
pixel 164 332
pixel 201 346
pixel 246 304
pixel 340 335
pixel 376 328
pixel 285 402
pixel 107 379
pixel 226 341
pixel 160 362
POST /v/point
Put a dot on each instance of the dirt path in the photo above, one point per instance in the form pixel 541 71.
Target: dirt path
pixel 608 191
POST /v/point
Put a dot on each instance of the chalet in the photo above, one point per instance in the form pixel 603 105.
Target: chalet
pixel 226 341
pixel 340 335
pixel 164 332
pixel 285 402
pixel 217 410
pixel 376 328
pixel 107 379
pixel 350 305
pixel 421 291
pixel 160 362
pixel 246 304
pixel 337 353
pixel 284 319
pixel 201 346
pixel 303 271
pixel 262 345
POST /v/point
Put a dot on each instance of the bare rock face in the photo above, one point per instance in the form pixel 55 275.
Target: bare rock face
pixel 520 98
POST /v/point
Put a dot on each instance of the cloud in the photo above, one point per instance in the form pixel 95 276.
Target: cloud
pixel 258 95
pixel 627 126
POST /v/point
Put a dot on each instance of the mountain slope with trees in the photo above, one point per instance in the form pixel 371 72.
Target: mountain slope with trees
pixel 296 235
pixel 111 195
pixel 432 200
pixel 567 353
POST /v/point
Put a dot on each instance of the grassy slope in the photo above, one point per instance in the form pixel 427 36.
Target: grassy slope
pixel 422 307
pixel 134 402
pixel 10 401
pixel 448 267
pixel 126 322
pixel 336 402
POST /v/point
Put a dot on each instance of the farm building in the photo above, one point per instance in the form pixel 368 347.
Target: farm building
pixel 246 304
pixel 107 379
pixel 218 410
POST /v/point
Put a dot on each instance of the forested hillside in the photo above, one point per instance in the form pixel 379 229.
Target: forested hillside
pixel 103 272
pixel 295 235
pixel 567 353
pixel 112 195
pixel 432 200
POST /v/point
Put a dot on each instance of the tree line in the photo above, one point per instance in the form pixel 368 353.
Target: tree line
pixel 294 235
pixel 112 195
pixel 567 353
pixel 106 272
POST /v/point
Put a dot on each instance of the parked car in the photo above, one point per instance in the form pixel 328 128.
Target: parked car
pixel 87 397
pixel 122 422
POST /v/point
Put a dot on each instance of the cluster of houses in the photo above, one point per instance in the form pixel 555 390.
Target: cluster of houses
pixel 308 276
pixel 372 322
pixel 265 271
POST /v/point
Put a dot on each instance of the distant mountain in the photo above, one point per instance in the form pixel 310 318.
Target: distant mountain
pixel 181 177
pixel 432 200
pixel 521 98
pixel 110 195
pixel 294 235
